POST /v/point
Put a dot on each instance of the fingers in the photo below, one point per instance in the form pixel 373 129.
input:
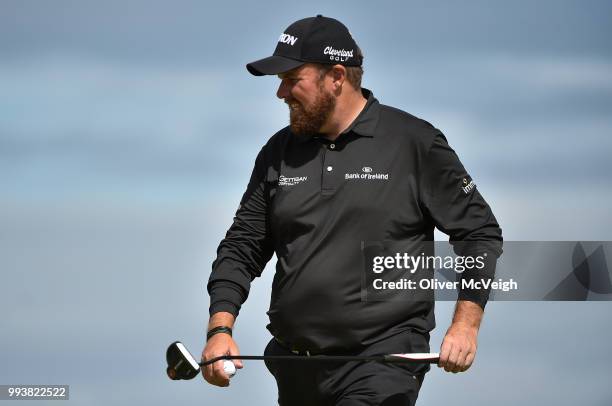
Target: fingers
pixel 220 373
pixel 453 360
pixel 458 361
pixel 213 373
pixel 235 351
pixel 457 352
pixel 451 357
pixel 445 350
pixel 469 359
pixel 217 346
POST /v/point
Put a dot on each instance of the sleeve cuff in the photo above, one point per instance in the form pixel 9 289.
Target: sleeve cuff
pixel 224 307
pixel 225 296
pixel 478 294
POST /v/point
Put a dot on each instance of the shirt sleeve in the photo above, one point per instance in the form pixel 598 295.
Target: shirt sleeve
pixel 246 248
pixel 450 197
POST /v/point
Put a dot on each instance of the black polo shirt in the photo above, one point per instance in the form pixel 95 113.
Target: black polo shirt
pixel 389 177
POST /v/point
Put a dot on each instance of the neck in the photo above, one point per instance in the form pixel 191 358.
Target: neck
pixel 348 107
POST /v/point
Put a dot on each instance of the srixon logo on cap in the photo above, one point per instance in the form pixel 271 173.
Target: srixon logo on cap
pixel 287 39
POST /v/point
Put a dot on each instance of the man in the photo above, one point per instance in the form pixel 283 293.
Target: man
pixel 347 170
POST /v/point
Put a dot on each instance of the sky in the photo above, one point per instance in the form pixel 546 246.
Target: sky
pixel 128 131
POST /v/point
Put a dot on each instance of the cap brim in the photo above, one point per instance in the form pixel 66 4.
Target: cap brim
pixel 272 65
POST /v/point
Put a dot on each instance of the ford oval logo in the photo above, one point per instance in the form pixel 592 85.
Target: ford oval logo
pixel 366 169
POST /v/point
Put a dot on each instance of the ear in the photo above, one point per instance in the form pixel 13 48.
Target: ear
pixel 338 76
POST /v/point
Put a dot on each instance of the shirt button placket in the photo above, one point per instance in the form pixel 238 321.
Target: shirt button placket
pixel 328 185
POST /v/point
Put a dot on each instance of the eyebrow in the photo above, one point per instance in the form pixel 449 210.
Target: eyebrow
pixel 292 74
pixel 287 75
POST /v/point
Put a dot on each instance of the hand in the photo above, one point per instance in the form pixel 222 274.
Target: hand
pixel 458 348
pixel 218 345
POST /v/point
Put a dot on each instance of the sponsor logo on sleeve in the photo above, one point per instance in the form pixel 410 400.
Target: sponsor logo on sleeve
pixel 467 185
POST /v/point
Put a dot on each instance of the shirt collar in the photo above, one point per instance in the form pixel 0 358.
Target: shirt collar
pixel 367 120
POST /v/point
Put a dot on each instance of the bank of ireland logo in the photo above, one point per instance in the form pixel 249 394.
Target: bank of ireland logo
pixel 367 173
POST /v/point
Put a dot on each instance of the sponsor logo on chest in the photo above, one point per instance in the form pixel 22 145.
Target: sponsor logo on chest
pixel 367 174
pixel 285 181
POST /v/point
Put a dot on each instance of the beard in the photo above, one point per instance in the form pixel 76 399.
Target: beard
pixel 307 121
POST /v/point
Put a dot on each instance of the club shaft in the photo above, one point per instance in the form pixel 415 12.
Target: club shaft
pixel 322 358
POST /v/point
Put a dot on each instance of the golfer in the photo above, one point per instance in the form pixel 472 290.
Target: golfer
pixel 346 171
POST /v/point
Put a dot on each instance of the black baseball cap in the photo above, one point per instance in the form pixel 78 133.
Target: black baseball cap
pixel 314 39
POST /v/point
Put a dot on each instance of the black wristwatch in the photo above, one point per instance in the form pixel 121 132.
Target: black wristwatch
pixel 217 330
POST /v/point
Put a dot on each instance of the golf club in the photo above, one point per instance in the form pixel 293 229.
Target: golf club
pixel 183 366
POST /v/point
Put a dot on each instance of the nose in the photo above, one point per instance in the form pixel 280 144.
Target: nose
pixel 284 89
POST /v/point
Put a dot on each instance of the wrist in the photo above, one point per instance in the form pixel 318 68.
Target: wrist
pixel 463 328
pixel 465 325
pixel 468 315
pixel 221 319
pixel 218 330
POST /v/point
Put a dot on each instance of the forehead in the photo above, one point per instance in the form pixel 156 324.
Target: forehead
pixel 304 70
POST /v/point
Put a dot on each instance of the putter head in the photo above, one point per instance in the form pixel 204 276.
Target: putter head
pixel 181 364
